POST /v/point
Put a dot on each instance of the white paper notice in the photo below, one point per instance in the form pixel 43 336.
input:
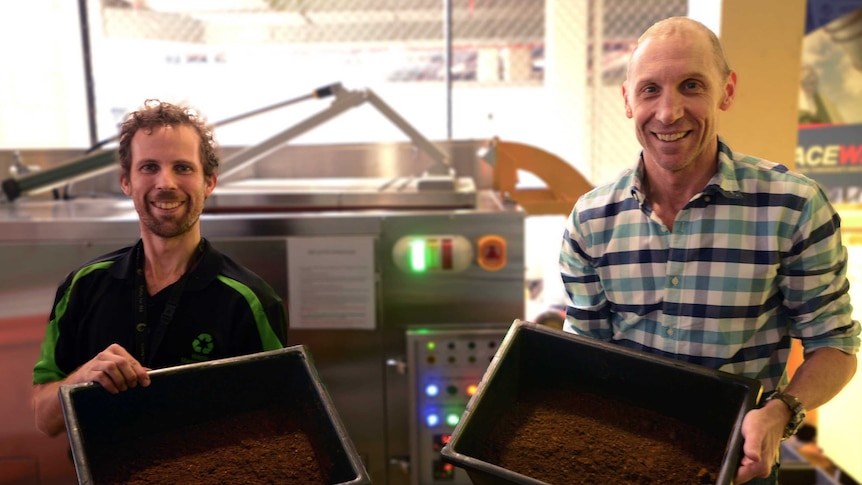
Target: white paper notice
pixel 331 282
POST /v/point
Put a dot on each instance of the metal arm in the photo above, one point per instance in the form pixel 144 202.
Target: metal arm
pixel 96 162
pixel 441 161
pixel 344 100
pixel 80 168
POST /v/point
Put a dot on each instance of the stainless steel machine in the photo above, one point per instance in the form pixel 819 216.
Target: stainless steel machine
pixel 400 272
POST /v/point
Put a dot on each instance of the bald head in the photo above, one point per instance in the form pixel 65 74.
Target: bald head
pixel 686 27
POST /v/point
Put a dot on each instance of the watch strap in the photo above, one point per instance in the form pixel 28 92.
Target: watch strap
pixel 797 412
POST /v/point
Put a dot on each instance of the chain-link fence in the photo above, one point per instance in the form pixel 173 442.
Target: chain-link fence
pixel 613 145
pixel 518 69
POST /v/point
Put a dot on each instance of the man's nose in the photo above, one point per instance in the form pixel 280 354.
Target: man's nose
pixel 670 108
pixel 166 180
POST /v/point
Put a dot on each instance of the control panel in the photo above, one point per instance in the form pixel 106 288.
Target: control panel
pixel 449 253
pixel 445 366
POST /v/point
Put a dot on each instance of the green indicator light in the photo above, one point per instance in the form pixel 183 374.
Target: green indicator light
pixel 431 345
pixel 417 255
pixel 433 251
pixel 452 419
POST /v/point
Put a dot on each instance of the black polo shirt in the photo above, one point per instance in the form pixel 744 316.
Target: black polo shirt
pixel 223 310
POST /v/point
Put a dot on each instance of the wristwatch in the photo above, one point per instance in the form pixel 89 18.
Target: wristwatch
pixel 797 412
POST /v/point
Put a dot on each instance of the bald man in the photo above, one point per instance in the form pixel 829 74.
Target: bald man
pixel 710 256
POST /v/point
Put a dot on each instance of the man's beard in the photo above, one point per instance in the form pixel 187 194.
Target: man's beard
pixel 170 226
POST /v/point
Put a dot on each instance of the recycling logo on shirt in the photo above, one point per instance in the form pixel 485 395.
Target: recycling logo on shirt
pixel 203 344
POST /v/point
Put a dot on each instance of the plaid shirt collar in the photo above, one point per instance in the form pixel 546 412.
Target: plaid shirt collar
pixel 724 180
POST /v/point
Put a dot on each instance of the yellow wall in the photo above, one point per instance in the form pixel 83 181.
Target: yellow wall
pixel 763 43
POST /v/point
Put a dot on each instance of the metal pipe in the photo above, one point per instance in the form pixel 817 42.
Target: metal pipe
pixel 88 71
pixel 344 100
pixel 79 169
pixel 321 92
pixel 96 162
pixel 104 160
pixel 246 157
pixel 447 57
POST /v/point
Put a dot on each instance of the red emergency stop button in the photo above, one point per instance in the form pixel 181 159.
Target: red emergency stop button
pixel 491 252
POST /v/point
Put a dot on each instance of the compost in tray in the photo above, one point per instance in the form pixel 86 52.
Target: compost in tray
pixel 237 420
pixel 263 446
pixel 557 408
pixel 558 436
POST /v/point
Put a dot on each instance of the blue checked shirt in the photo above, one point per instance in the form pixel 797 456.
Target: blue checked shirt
pixel 753 260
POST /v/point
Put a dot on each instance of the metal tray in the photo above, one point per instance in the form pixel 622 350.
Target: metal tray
pixel 189 395
pixel 533 355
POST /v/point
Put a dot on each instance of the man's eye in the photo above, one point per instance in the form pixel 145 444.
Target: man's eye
pixel 183 168
pixel 149 167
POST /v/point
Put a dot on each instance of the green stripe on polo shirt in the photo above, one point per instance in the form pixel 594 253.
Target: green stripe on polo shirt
pixel 46 369
pixel 268 339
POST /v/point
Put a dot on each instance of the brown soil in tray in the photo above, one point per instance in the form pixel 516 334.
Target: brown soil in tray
pixel 576 437
pixel 265 446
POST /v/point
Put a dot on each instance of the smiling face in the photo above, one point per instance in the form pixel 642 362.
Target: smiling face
pixel 674 91
pixel 167 182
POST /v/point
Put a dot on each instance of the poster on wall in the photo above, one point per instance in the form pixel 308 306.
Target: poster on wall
pixel 830 98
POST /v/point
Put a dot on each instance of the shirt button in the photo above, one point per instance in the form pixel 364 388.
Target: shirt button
pixel 674 281
pixel 670 331
pixel 707 199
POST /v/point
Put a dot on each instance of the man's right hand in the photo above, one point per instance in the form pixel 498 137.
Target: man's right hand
pixel 113 368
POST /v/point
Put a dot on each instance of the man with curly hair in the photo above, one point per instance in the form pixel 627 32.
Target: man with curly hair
pixel 171 298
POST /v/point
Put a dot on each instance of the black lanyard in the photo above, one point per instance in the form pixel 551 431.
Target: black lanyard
pixel 146 349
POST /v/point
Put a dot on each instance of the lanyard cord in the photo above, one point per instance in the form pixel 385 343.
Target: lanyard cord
pixel 142 329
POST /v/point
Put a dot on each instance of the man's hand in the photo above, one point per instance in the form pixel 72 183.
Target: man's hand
pixel 762 430
pixel 113 368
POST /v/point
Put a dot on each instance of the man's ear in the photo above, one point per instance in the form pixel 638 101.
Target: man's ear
pixel 729 92
pixel 210 184
pixel 125 184
pixel 629 113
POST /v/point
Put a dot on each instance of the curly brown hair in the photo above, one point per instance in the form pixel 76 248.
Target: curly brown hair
pixel 156 113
